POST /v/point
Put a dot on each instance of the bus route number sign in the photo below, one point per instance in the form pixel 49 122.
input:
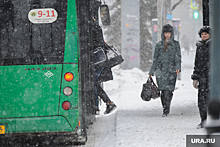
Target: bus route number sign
pixel 47 15
pixel 2 129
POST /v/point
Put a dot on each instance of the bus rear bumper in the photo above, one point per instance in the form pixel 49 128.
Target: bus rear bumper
pixel 42 139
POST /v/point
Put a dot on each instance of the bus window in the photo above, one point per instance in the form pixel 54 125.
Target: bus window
pixel 23 42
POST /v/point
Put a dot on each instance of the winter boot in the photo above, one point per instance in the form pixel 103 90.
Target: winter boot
pixel 163 103
pixel 203 115
pixel 164 115
pixel 166 97
pixel 97 111
pixel 169 99
pixel 110 107
pixel 201 125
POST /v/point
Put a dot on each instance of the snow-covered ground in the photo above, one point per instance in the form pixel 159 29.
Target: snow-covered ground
pixel 136 123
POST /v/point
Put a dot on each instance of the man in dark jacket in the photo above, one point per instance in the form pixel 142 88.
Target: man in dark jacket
pixel 102 73
pixel 200 75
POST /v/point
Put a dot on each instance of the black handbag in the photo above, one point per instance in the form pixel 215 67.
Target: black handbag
pixel 155 90
pixel 146 91
pixel 113 56
pixel 149 90
pixel 99 56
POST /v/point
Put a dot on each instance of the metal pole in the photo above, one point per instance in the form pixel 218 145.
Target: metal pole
pixel 205 12
pixel 130 24
pixel 159 17
pixel 213 125
pixel 215 52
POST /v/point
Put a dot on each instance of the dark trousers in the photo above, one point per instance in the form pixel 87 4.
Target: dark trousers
pixel 98 88
pixel 101 93
pixel 166 97
pixel 203 97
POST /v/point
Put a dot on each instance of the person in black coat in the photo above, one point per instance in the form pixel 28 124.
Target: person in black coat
pixel 200 74
pixel 102 73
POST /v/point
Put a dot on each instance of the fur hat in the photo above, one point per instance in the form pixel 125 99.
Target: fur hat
pixel 206 29
pixel 167 28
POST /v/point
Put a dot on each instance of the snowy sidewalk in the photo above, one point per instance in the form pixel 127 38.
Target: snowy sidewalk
pixel 136 123
pixel 140 123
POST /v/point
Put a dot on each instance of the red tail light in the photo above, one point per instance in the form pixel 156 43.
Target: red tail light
pixel 68 76
pixel 66 105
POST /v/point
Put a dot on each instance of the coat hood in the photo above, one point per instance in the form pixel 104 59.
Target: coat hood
pixel 167 28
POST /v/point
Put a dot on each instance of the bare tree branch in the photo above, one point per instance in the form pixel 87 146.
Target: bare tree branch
pixel 174 6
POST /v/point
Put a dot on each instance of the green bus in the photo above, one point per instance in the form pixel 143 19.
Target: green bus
pixel 45 70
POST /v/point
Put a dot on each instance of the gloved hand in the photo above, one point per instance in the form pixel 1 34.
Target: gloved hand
pixel 195 84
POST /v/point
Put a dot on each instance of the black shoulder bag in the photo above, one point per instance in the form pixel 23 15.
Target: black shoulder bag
pixel 149 90
pixel 113 56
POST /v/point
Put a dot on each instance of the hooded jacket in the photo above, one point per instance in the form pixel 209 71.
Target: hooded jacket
pixel 165 63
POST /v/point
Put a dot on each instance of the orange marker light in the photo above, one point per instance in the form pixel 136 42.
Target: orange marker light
pixel 79 124
pixel 68 76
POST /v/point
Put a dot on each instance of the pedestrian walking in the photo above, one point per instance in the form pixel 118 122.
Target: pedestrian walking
pixel 200 74
pixel 102 73
pixel 166 65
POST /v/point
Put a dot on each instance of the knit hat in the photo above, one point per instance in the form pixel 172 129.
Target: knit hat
pixel 206 29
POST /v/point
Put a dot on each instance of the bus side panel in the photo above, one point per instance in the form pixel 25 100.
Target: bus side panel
pixel 71 56
pixel 30 90
pixel 72 115
pixel 71 40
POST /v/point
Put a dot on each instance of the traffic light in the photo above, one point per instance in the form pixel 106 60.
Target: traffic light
pixel 196 15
